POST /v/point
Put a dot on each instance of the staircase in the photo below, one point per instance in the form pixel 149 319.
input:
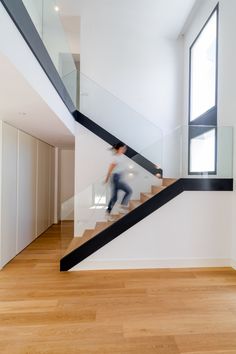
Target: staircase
pixel 92 117
pixel 104 232
pixel 89 234
pixel 154 190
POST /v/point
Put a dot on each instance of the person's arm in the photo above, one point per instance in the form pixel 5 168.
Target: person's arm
pixel 111 168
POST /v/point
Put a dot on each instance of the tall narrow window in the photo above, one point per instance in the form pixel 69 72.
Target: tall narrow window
pixel 202 150
pixel 203 98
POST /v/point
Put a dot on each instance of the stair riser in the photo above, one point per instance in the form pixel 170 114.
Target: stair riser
pixel 143 198
pixel 133 206
pixel 156 190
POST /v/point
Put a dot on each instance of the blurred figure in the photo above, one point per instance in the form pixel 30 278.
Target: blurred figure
pixel 115 173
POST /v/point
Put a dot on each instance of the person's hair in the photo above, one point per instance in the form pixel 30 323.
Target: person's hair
pixel 118 145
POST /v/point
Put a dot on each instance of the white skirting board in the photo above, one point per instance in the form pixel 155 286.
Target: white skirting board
pixel 154 263
pixel 233 263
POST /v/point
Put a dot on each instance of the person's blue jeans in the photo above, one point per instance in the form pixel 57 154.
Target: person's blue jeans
pixel 118 184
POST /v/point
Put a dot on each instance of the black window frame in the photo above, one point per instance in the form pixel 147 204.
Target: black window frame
pixel 208 120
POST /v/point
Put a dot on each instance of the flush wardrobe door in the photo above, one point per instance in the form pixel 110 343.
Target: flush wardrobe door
pixel 27 168
pixel 43 186
pixel 9 193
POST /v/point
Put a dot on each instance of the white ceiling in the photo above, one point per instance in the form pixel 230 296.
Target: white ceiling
pixel 23 108
pixel 71 25
pixel 164 17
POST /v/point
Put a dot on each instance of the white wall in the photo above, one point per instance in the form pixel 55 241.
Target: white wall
pixel 132 74
pixel 26 190
pixel 177 235
pixel 1 136
pixel 226 76
pixel 67 183
pixel 124 51
pixel 50 29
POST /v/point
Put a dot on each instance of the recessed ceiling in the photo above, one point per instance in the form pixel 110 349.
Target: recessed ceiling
pixel 163 17
pixel 25 109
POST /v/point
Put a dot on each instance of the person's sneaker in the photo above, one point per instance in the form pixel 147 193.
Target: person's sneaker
pixel 123 210
pixel 109 217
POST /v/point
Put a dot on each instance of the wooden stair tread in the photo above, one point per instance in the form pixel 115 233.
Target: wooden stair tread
pixel 157 189
pixel 75 243
pixel 149 195
pixel 88 233
pixel 134 204
pixel 78 241
pixel 102 226
pixel 168 181
pixel 145 196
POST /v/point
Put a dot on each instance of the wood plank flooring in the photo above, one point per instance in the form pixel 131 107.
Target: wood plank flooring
pixel 190 311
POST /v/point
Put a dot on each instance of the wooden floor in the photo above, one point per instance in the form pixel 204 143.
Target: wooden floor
pixel 111 312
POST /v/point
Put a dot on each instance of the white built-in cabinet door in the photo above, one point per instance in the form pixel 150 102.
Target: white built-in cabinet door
pixel 26 190
pixel 43 187
pixel 26 200
pixel 9 193
pixel 52 185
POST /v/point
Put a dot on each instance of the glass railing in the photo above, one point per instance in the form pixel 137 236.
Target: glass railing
pixel 118 118
pixel 91 203
pixel 197 151
pixel 35 10
pixel 189 152
pixel 115 116
pixel 50 28
pixel 194 151
pixel 206 151
pixel 67 224
pixel 72 83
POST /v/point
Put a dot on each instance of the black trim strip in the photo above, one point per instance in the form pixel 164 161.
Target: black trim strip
pixel 138 214
pixel 23 22
pixel 208 184
pixel 111 139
